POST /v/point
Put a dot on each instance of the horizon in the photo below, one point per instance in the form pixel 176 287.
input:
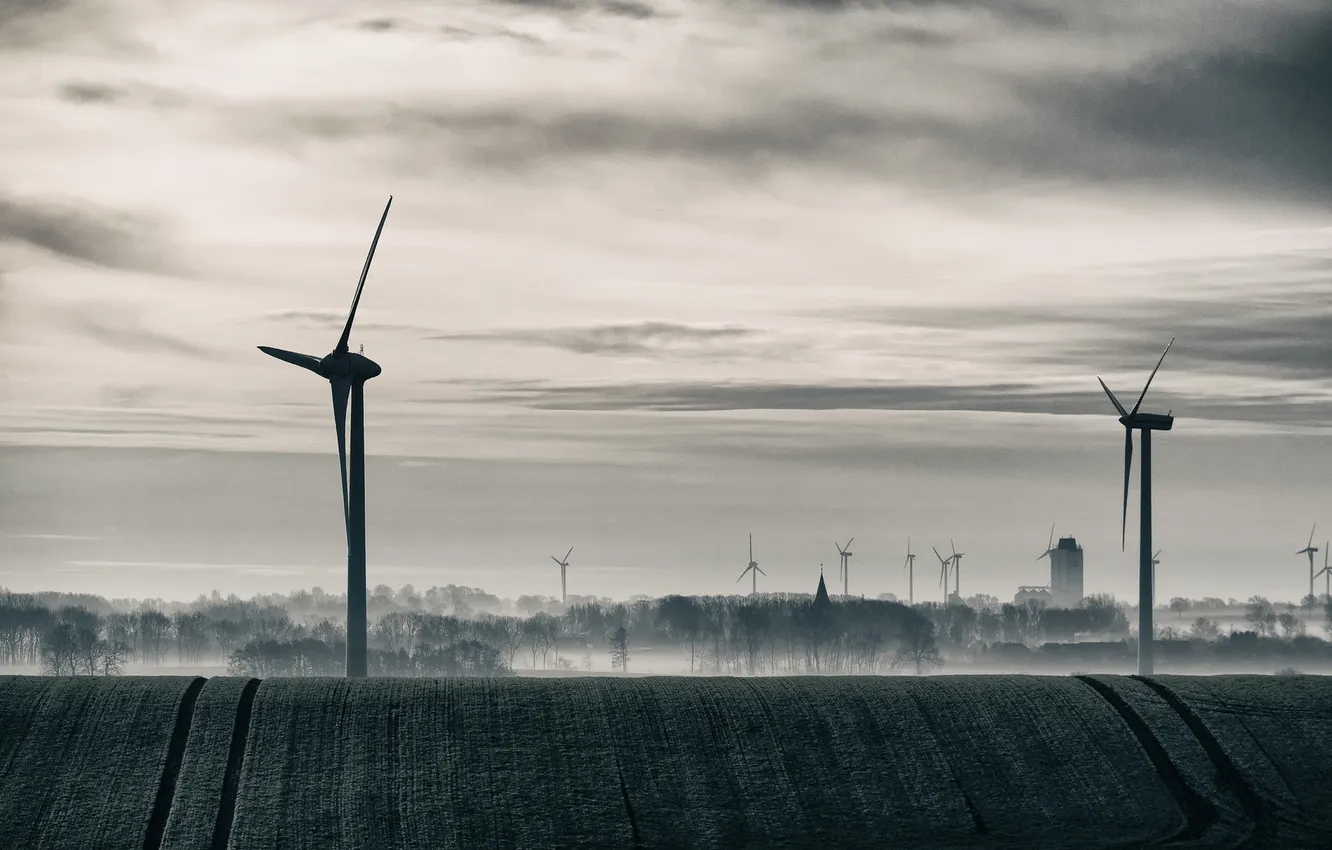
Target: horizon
pixel 659 275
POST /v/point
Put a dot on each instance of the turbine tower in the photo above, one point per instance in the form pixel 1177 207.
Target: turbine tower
pixel 944 564
pixel 347 373
pixel 1309 550
pixel 910 566
pixel 753 568
pixel 957 569
pixel 1146 423
pixel 564 576
pixel 845 552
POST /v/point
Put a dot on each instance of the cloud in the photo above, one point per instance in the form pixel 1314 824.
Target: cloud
pixel 118 327
pixel 1016 397
pixel 1019 93
pixel 127 93
pixel 85 234
pixel 1267 316
pixel 622 8
pixel 89 92
pixel 334 320
pixel 644 339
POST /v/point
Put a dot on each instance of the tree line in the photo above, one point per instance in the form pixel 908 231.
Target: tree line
pixel 448 634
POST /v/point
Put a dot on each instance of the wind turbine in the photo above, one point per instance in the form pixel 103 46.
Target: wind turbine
pixel 944 564
pixel 1326 572
pixel 957 569
pixel 910 567
pixel 1310 549
pixel 348 372
pixel 753 568
pixel 845 552
pixel 1146 423
pixel 1156 559
pixel 1049 547
pixel 564 575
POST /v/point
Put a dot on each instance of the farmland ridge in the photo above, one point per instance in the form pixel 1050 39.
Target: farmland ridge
pixel 938 761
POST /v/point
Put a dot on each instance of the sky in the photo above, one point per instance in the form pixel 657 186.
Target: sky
pixel 657 275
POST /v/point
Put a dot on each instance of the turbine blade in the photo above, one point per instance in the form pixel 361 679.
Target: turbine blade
pixel 1128 464
pixel 849 542
pixel 365 271
pixel 1113 400
pixel 1050 544
pixel 760 569
pixel 1153 375
pixel 305 361
pixel 937 555
pixel 567 554
pixel 1044 554
pixel 341 389
pixel 556 560
pixel 1309 545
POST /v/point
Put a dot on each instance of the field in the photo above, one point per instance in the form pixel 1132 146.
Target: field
pixel 942 761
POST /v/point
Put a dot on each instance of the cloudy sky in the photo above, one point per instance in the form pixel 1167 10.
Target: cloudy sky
pixel 658 274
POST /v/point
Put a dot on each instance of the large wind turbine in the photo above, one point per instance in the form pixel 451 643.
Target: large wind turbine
pixel 1310 550
pixel 1146 423
pixel 348 372
pixel 845 552
pixel 753 568
pixel 910 566
pixel 564 575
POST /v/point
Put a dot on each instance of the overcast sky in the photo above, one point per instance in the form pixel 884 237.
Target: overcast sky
pixel 658 274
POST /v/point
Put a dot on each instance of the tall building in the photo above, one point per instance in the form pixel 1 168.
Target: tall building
pixel 1066 573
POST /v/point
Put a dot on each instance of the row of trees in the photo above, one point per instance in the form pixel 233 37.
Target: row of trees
pixel 761 634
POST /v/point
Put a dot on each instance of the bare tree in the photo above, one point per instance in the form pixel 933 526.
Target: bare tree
pixel 1291 625
pixel 619 649
pixel 917 646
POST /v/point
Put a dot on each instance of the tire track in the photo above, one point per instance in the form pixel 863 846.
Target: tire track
pixel 976 819
pixel 1200 815
pixel 1228 775
pixel 166 789
pixel 240 733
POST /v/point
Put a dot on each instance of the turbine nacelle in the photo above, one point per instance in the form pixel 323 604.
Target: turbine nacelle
pixel 349 364
pixel 1148 421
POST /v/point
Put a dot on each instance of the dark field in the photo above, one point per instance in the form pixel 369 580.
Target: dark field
pixel 966 761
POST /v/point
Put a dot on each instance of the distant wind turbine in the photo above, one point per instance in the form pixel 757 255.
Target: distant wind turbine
pixel 910 567
pixel 957 569
pixel 845 552
pixel 564 576
pixel 348 372
pixel 944 564
pixel 1049 547
pixel 1309 550
pixel 1326 572
pixel 753 569
pixel 1156 559
pixel 1146 423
